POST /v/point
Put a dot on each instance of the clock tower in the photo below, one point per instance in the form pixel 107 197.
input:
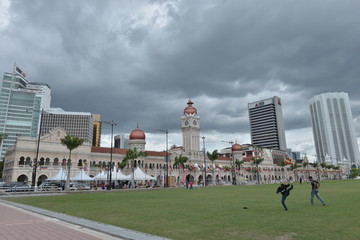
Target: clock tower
pixel 191 130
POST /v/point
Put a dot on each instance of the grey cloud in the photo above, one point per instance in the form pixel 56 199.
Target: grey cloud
pixel 111 58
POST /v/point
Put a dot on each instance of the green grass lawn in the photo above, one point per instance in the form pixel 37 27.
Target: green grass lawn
pixel 217 212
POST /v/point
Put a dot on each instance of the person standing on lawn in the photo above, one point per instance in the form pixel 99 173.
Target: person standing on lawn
pixel 315 185
pixel 285 192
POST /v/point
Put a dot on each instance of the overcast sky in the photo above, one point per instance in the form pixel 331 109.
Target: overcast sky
pixel 140 61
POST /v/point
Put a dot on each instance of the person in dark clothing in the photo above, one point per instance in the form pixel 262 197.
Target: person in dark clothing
pixel 284 189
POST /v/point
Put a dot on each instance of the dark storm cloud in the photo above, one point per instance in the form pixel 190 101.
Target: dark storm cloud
pixel 140 61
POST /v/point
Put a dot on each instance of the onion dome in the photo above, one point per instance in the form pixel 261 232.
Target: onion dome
pixel 137 134
pixel 190 109
pixel 236 147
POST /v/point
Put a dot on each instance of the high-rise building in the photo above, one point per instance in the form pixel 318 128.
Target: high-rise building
pixel 97 130
pixel 21 102
pixel 121 141
pixel 79 124
pixel 333 128
pixel 267 124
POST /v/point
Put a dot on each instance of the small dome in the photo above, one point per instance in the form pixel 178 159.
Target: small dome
pixel 236 147
pixel 137 134
pixel 190 109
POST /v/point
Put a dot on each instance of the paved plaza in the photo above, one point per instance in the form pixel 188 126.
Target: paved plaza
pixel 22 222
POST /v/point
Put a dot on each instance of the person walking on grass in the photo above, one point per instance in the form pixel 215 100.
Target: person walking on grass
pixel 315 185
pixel 284 189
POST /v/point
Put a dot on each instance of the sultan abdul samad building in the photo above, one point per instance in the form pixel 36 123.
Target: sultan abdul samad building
pixel 53 155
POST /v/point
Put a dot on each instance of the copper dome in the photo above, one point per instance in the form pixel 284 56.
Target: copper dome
pixel 190 109
pixel 137 134
pixel 236 147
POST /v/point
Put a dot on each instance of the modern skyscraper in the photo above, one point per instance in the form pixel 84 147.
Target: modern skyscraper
pixel 267 123
pixel 333 128
pixel 21 102
pixel 97 130
pixel 79 124
pixel 121 141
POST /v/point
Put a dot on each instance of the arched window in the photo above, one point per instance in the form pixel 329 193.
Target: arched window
pixel 157 166
pixel 42 161
pixel 80 163
pixel 28 161
pixel 56 162
pixel 47 161
pixel 22 161
pixel 139 163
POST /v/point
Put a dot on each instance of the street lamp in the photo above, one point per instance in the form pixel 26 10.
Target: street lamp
pixel 111 151
pixel 35 163
pixel 166 131
pixel 203 138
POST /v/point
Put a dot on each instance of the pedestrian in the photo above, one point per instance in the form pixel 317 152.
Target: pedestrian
pixel 315 185
pixel 284 189
pixel 300 180
pixel 191 185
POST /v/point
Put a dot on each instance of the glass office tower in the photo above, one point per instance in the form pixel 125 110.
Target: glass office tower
pixel 333 129
pixel 20 107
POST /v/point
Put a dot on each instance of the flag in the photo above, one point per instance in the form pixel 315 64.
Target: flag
pixel 288 161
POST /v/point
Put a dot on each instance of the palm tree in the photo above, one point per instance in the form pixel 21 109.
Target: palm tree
pixel 131 155
pixel 238 164
pixel 180 162
pixel 212 157
pixel 257 162
pixel 71 142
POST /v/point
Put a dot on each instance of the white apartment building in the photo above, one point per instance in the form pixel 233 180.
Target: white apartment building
pixel 333 129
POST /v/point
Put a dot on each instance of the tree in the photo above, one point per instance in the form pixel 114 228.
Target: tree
pixel 71 142
pixel 354 173
pixel 257 162
pixel 212 157
pixel 131 155
pixel 238 164
pixel 180 162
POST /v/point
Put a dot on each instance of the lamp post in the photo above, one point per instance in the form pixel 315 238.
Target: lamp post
pixel 203 138
pixel 111 151
pixel 35 164
pixel 166 131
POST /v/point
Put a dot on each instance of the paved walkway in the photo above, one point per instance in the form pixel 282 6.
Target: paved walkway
pixel 22 222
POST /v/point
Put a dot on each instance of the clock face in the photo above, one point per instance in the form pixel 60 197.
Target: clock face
pixel 194 122
pixel 186 123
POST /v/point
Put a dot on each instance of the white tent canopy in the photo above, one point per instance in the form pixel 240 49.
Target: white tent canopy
pixel 101 176
pixel 82 176
pixel 118 175
pixel 60 176
pixel 139 175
